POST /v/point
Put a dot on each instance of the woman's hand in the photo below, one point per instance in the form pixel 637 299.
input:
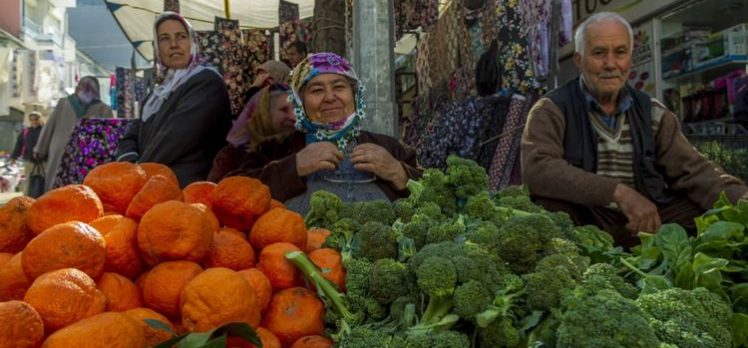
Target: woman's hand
pixel 318 156
pixel 263 79
pixel 377 160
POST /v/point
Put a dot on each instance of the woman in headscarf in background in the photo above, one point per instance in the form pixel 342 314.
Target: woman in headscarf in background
pixel 84 103
pixel 328 102
pixel 185 119
pixel 266 74
pixel 268 116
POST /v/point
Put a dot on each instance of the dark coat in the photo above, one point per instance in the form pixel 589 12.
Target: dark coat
pixel 186 132
pixel 26 144
pixel 274 163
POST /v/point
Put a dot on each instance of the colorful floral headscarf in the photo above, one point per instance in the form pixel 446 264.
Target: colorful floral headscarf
pixel 340 132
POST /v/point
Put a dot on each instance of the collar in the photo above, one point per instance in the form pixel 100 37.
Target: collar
pixel 625 100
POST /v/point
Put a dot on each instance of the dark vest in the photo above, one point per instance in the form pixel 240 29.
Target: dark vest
pixel 580 140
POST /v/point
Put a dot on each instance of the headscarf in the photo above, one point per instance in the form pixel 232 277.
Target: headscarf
pixel 255 123
pixel 340 132
pixel 173 78
pixel 86 94
pixel 279 71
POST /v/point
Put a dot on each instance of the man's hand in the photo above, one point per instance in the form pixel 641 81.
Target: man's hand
pixel 318 156
pixel 375 159
pixel 641 213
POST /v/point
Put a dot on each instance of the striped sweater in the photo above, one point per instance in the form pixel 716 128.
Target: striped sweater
pixel 548 174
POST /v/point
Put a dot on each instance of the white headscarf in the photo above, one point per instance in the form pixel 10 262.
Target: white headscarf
pixel 173 77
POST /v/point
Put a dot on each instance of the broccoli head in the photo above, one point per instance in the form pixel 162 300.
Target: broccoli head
pixel 375 241
pixel 689 318
pixel 523 240
pixel 433 187
pixel 500 333
pixel 603 319
pixel 323 209
pixel 471 298
pixel 387 280
pixel 552 275
pixel 467 177
pixel 448 230
pixel 605 276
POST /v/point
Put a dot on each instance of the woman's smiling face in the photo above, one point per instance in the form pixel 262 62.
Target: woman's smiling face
pixel 328 98
pixel 174 44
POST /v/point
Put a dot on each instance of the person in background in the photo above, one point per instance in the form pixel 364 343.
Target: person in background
pixel 329 104
pixel 25 143
pixel 268 73
pixel 610 155
pixel 268 115
pixel 84 103
pixel 296 53
pixel 185 119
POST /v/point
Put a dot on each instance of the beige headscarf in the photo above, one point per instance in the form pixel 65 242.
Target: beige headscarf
pixel 279 71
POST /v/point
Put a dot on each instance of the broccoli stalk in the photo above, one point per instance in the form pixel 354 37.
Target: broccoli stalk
pixel 326 290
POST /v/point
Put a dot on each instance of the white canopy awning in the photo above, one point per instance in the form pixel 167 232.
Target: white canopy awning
pixel 136 16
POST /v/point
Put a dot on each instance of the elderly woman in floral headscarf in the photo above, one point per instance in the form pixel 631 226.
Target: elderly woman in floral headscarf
pixel 329 150
pixel 185 119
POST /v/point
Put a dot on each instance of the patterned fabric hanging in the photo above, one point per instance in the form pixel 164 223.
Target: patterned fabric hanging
pixel 418 13
pixel 299 30
pixel 93 142
pixel 211 47
pixel 257 46
pixel 236 71
pixel 287 11
pixel 517 70
pixel 171 5
pixel 508 146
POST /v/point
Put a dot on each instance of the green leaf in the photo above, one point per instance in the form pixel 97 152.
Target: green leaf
pixel 739 325
pixel 242 330
pixel 676 249
pixel 723 231
pixel 170 342
pixel 739 296
pixel 195 340
pixel 708 273
pixel 703 222
pixel 158 325
pixel 218 342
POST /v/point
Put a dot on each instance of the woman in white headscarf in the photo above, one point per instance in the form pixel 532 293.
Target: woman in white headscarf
pixel 84 103
pixel 185 119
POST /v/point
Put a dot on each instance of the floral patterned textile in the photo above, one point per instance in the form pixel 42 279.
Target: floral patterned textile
pixel 211 48
pixel 257 46
pixel 93 142
pixel 287 11
pixel 129 89
pixel 236 71
pixel 517 70
pixel 412 14
pixel 299 30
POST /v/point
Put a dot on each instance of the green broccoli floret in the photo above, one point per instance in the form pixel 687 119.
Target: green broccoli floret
pixel 433 187
pixel 471 298
pixel 467 177
pixel 378 210
pixel 375 241
pixel 404 209
pixel 365 337
pixel 448 230
pixel 593 241
pixel 436 276
pixel 689 318
pixel 605 276
pixel 505 301
pixel 449 339
pixel 500 333
pixel 323 209
pixel 417 229
pixel 387 280
pixel 552 275
pixel 341 236
pixel 603 319
pixel 521 203
pixel 480 206
pixel 523 240
pixel 429 209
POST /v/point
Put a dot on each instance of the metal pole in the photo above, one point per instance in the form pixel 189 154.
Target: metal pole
pixel 227 9
pixel 374 60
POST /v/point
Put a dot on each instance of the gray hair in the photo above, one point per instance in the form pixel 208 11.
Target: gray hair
pixel 580 34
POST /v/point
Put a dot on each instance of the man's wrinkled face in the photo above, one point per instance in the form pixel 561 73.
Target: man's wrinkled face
pixel 606 60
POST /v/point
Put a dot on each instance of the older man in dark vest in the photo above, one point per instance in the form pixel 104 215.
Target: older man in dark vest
pixel 610 155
